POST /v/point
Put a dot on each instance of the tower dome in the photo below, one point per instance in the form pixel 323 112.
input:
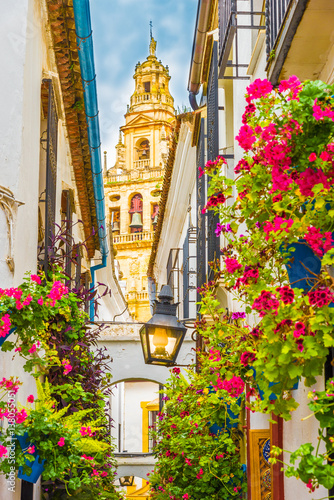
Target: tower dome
pixel 151 84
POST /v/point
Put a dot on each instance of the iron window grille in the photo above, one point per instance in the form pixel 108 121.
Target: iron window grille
pixel 51 171
pixel 173 274
pixel 190 274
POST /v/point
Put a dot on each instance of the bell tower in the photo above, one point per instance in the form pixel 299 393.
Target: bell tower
pixel 133 184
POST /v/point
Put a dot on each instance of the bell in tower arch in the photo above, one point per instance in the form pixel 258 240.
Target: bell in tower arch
pixel 136 222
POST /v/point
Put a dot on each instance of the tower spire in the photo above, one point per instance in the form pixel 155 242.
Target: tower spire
pixel 153 43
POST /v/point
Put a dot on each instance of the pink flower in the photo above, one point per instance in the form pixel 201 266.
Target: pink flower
pixel 86 457
pixel 68 367
pixel 299 329
pixel 235 386
pixel 200 474
pixel 232 265
pixel 36 279
pixel 310 178
pixel 27 300
pixel 10 384
pixel 318 241
pixel 293 85
pixel 186 496
pixel 287 295
pixel 246 137
pixel 104 474
pixel 310 486
pixel 312 157
pixel 85 431
pixel 3 451
pixel 325 156
pixel 321 114
pixel 188 462
pixel 18 349
pixel 279 225
pixel 258 88
pixel 321 297
pixel 57 291
pixel 61 442
pixel 5 326
pixel 95 473
pixel 40 301
pixel 265 303
pixel 32 349
pixel 30 398
pixel 31 449
pixel 21 416
pixel 247 358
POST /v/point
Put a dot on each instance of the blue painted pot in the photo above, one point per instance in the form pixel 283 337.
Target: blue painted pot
pixel 36 467
pixel 304 266
pixel 217 429
pixel 272 396
pixel 2 339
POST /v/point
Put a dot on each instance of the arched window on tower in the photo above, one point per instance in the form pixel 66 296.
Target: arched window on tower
pixel 154 215
pixel 143 150
pixel 136 214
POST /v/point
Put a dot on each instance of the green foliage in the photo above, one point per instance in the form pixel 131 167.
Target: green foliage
pixel 191 460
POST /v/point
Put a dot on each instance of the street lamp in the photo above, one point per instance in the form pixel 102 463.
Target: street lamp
pixel 161 337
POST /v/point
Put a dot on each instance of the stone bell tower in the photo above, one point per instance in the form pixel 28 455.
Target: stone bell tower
pixel 133 184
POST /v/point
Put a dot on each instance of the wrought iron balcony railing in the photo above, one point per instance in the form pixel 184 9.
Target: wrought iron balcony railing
pixel 275 13
pixel 233 17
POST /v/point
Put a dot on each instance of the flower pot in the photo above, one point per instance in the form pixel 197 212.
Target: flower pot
pixel 215 428
pixel 304 266
pixel 2 339
pixel 36 467
pixel 272 396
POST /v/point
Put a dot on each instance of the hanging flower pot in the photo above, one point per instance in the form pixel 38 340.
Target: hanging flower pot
pixel 36 467
pixel 216 428
pixel 5 337
pixel 272 396
pixel 303 267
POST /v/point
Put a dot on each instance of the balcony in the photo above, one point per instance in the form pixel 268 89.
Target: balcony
pixel 120 239
pixel 234 16
pixel 141 164
pixel 299 38
pixel 135 175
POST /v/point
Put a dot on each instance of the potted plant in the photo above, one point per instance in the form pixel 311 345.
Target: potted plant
pixel 191 462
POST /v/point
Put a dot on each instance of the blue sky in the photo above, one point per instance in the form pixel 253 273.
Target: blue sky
pixel 121 37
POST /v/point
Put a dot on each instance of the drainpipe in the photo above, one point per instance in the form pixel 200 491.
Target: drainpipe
pixel 194 82
pixel 83 31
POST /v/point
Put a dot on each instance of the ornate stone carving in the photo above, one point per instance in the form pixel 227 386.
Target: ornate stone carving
pixel 9 205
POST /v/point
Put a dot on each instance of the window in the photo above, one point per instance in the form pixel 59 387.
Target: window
pixel 154 215
pixel 49 147
pixel 115 220
pixel 136 212
pixel 147 86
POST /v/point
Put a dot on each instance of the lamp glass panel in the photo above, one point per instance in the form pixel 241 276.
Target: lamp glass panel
pixel 162 342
